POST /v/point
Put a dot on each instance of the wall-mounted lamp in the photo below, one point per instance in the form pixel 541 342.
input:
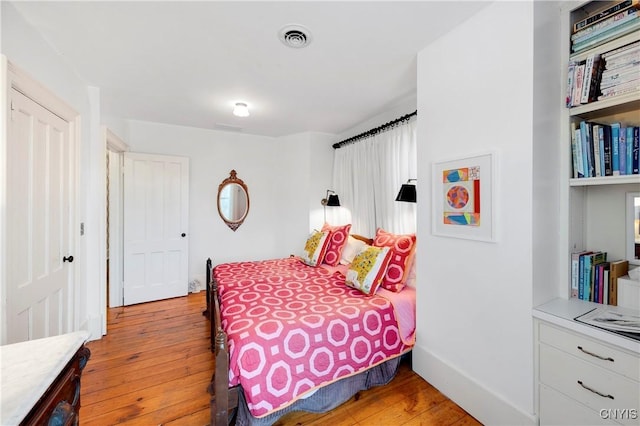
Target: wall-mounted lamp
pixel 241 110
pixel 407 192
pixel 331 200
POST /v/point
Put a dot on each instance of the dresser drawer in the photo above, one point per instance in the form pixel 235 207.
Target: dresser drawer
pixel 591 350
pixel 557 409
pixel 593 386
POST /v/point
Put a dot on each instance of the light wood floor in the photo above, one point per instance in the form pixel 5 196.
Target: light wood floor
pixel 154 365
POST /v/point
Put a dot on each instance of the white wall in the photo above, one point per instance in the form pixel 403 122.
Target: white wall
pixel 474 336
pixel 23 46
pixel 277 172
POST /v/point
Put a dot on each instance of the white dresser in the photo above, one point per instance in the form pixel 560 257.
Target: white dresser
pixel 584 375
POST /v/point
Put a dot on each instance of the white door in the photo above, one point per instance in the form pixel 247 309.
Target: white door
pixel 156 213
pixel 40 214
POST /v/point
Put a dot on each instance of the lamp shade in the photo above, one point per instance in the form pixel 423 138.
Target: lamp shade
pixel 407 193
pixel 333 201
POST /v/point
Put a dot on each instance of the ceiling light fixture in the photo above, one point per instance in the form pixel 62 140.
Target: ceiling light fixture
pixel 241 110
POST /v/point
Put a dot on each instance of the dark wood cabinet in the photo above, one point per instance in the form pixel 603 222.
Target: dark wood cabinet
pixel 60 404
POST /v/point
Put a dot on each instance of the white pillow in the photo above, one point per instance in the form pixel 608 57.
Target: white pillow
pixel 351 249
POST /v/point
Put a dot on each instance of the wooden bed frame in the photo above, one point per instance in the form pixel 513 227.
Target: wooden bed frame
pixel 224 400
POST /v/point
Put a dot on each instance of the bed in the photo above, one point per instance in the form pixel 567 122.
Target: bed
pixel 290 336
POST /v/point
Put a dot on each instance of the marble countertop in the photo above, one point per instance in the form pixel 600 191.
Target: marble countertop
pixel 29 368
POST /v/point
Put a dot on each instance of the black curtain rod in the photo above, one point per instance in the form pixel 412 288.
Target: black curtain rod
pixel 374 131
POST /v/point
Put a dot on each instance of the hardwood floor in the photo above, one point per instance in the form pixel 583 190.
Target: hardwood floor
pixel 154 365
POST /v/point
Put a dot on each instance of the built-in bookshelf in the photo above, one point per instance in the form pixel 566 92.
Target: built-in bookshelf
pixel 584 372
pixel 596 193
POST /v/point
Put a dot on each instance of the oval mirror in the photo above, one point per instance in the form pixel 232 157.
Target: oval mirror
pixel 233 201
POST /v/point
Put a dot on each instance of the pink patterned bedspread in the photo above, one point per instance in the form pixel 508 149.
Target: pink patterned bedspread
pixel 293 328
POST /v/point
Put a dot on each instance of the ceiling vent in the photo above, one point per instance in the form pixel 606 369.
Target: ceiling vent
pixel 295 36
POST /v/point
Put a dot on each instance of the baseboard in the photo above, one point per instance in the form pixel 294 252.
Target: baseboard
pixel 487 407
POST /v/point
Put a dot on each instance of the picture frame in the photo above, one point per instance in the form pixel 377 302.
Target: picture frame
pixel 463 197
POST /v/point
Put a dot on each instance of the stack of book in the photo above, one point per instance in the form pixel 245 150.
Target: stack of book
pixel 604 149
pixel 601 76
pixel 595 279
pixel 621 73
pixel 606 24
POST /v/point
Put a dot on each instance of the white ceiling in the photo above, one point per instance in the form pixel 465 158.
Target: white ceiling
pixel 187 63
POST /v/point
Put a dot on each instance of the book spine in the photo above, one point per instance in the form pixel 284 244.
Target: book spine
pixel 577 84
pixel 615 145
pixel 570 82
pixel 622 150
pixel 629 152
pixel 636 151
pixel 605 292
pixel 598 16
pixel 595 139
pixel 587 277
pixel 581 277
pixel 607 151
pixel 621 50
pixel 588 76
pixel 579 160
pixel 584 144
pixel 601 143
pixel 575 273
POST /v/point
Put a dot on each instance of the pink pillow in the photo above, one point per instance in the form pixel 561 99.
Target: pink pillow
pixel 339 235
pixel 403 248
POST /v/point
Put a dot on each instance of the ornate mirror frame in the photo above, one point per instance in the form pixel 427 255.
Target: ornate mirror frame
pixel 232 222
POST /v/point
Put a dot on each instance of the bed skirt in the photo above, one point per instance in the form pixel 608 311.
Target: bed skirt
pixel 328 397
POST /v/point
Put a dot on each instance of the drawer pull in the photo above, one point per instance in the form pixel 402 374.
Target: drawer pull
pixel 594 391
pixel 596 355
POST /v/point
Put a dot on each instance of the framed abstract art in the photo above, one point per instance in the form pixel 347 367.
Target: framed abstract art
pixel 463 198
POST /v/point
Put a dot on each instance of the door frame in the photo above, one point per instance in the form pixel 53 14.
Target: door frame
pixel 114 144
pixel 22 82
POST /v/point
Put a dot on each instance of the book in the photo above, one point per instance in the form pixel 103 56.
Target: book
pixel 603 14
pixel 578 80
pixel 605 297
pixel 635 162
pixel 599 27
pixel 618 268
pixel 629 153
pixel 601 145
pixel 622 150
pixel 581 276
pixel 621 50
pixel 575 272
pixel 608 171
pixel 595 139
pixel 576 152
pixel 570 75
pixel 615 145
pixel 619 31
pixel 586 148
pixel 590 262
pixel 589 75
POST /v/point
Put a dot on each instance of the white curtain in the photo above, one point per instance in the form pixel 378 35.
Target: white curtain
pixel 367 176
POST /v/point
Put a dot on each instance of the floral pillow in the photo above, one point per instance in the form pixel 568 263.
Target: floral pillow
pixel 403 249
pixel 315 248
pixel 367 269
pixel 337 240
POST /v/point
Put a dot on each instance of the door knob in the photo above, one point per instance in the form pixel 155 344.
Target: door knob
pixel 67 259
pixel 183 235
